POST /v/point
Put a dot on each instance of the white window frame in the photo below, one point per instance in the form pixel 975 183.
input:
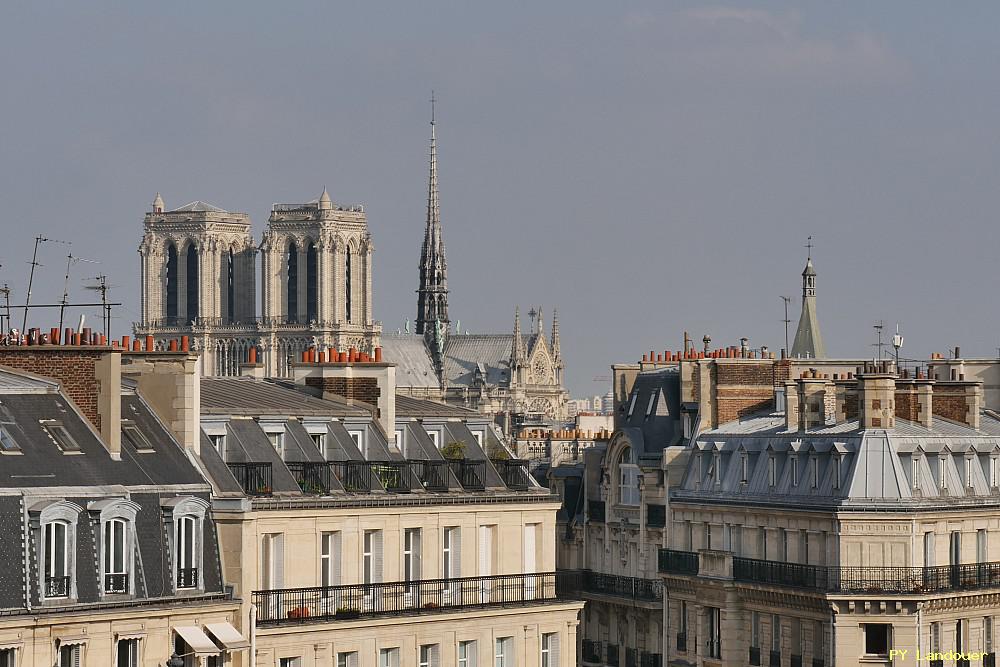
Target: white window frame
pixel 411 554
pixel 428 655
pixel 744 468
pixel 793 461
pixel 772 471
pixel 504 657
pixel 135 652
pixel 177 509
pixel 628 479
pixel 468 653
pixel 76 655
pixel 388 657
pixel 347 659
pixel 53 565
pixel 550 649
pixel 329 558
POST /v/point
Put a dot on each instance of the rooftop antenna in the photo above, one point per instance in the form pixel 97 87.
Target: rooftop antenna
pixel 70 261
pixel 787 300
pixel 31 275
pixel 102 286
pixel 5 315
pixel 897 342
pixel 878 326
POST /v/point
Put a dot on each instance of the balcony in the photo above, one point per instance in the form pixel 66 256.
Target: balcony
pixel 57 587
pixel 471 474
pixel 591 651
pixel 869 580
pixel 672 561
pixel 311 477
pixel 334 603
pixel 595 511
pixel 613 655
pixel 115 584
pixel 360 476
pixel 187 577
pixel 513 472
pixel 433 475
pixel 619 586
pixel 253 478
pixel 651 660
pixel 656 516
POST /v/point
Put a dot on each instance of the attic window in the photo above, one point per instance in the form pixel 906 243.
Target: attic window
pixel 649 406
pixel 836 471
pixel 915 472
pixel 993 472
pixel 55 430
pixel 7 443
pixel 133 436
pixel 942 476
pixel 717 468
pixel 794 462
pixel 968 472
pixel 631 404
pixel 744 468
pixel 772 470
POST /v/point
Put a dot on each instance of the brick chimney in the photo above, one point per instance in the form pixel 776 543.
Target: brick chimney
pixel 915 400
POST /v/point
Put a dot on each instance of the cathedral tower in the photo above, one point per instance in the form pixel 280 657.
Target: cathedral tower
pixel 432 294
pixel 808 341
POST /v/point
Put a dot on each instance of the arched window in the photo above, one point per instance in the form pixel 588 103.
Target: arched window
pixel 171 290
pixel 347 285
pixel 628 479
pixel 312 284
pixel 231 286
pixel 57 559
pixel 116 545
pixel 116 556
pixel 192 283
pixel 186 553
pixel 292 288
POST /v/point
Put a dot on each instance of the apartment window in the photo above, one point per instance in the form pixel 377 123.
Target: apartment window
pixel 762 543
pixel 278 442
pixel 968 472
pixel 714 619
pixel 836 471
pixel 478 435
pixel 706 540
pixel 127 653
pixel 915 471
pixel 550 649
pixel 783 556
pixel 755 629
pixel 7 444
pixel 942 475
pixel 727 537
pixel 803 547
pixel 115 556
pixel 981 546
pixel 736 539
pixel 347 659
pixel 814 474
pixel 219 444
pixel 628 480
pixel 689 535
pixel 7 657
pixel 631 404
pixel 411 554
pixel 451 553
pixel 134 437
pixel 319 439
pixel 877 638
pixel 371 556
pixel 928 549
pixel 329 559
pixel 819 641
pixel 794 470
pixel 775 633
pixel 399 440
pixel 435 437
pixel 505 652
pixel 955 548
pixel 716 468
pixel 797 637
pixel 987 634
pixel 59 435
pixel 71 655
pixel 186 551
pixel 468 654
pixel 57 559
pixel 290 662
pixel 993 472
pixel 772 470
pixel 272 561
pixel 388 657
pixel 935 637
pixel 429 656
pixel 744 468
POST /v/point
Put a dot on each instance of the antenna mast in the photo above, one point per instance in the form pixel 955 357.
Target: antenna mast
pixel 70 260
pixel 878 326
pixel 103 287
pixel 786 299
pixel 31 276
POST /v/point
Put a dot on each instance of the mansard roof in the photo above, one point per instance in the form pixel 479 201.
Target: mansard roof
pixel 650 417
pixel 247 396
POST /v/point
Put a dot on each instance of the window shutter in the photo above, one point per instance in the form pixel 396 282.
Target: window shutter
pixel 335 562
pixel 456 552
pixel 435 657
pixel 484 551
pixel 554 649
pixel 279 560
pixel 415 547
pixel 377 557
pixel 529 548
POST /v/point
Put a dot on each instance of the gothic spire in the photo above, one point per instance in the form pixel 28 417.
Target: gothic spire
pixel 555 334
pixel 808 339
pixel 517 346
pixel 432 293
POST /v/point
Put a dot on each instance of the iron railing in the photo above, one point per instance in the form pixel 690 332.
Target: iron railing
pixel 595 511
pixel 591 651
pixel 433 475
pixel 656 516
pixel 754 655
pixel 360 476
pixel 621 586
pixel 471 474
pixel 714 648
pixel 253 478
pixel 651 660
pixel 331 603
pixel 852 579
pixel 187 577
pixel 672 561
pixel 116 583
pixel 796 660
pixel 990 660
pixel 631 657
pixel 613 655
pixel 775 660
pixel 513 472
pixel 682 642
pixel 57 587
pixel 312 477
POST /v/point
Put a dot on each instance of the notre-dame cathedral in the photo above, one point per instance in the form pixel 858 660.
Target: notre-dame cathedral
pixel 199 279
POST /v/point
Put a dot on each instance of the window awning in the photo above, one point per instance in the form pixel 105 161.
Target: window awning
pixel 228 636
pixel 197 640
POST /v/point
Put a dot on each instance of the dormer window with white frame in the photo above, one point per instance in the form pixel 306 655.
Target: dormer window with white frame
pixel 55 529
pixel 716 468
pixel 814 472
pixel 187 528
pixel 793 461
pixel 968 471
pixel 837 459
pixel 116 517
pixel 744 468
pixel 59 435
pixel 772 471
pixel 942 473
pixel 358 436
pixel 993 471
pixel 915 471
pixel 277 440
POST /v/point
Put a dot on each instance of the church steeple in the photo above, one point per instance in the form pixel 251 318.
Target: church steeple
pixel 808 339
pixel 517 346
pixel 556 352
pixel 432 294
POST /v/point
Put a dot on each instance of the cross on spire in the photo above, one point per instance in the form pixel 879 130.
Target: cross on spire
pixel 809 245
pixel 432 107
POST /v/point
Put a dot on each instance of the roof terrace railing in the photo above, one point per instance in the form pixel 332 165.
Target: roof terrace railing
pixel 253 478
pixel 672 561
pixel 471 474
pixel 360 476
pixel 433 475
pixel 312 476
pixel 513 472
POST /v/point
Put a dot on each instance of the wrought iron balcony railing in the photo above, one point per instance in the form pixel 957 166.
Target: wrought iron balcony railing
pixel 850 579
pixel 312 477
pixel 656 516
pixel 631 657
pixel 57 587
pixel 672 561
pixel 613 655
pixel 754 655
pixel 513 472
pixel 433 475
pixel 591 651
pixel 682 642
pixel 775 659
pixel 651 660
pixel 187 577
pixel 471 474
pixel 595 511
pixel 332 603
pixel 116 584
pixel 253 478
pixel 360 476
pixel 629 587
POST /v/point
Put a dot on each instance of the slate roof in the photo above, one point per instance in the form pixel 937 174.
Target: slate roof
pixel 654 420
pixel 414 367
pixel 408 406
pixel 247 396
pixel 464 355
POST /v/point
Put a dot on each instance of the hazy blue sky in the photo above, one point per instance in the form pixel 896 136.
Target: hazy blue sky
pixel 647 167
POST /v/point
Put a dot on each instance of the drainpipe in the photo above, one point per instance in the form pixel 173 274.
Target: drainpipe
pixel 253 635
pixel 833 635
pixel 920 627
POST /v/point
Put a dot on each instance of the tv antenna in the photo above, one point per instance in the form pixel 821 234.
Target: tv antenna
pixel 102 286
pixel 878 326
pixel 31 275
pixel 787 300
pixel 5 315
pixel 70 261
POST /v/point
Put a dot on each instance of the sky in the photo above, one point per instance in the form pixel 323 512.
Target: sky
pixel 648 168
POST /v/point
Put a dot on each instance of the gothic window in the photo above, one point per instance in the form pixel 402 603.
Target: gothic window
pixel 171 283
pixel 230 287
pixel 312 284
pixel 347 285
pixel 292 288
pixel 192 282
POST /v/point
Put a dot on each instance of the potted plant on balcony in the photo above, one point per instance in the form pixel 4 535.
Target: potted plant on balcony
pixel 299 612
pixel 345 613
pixel 431 605
pixel 454 451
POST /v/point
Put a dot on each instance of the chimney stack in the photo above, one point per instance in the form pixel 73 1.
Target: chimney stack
pixel 877 398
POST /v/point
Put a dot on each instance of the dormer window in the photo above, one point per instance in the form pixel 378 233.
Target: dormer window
pixel 187 527
pixel 115 574
pixel 56 562
pixel 993 472
pixel 968 472
pixel 7 443
pixel 628 479
pixel 59 435
pixel 772 470
pixel 915 472
pixel 650 404
pixel 744 468
pixel 942 475
pixel 815 472
pixel 836 471
pixel 631 404
pixel 716 468
pixel 794 470
pixel 277 440
pixel 134 437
